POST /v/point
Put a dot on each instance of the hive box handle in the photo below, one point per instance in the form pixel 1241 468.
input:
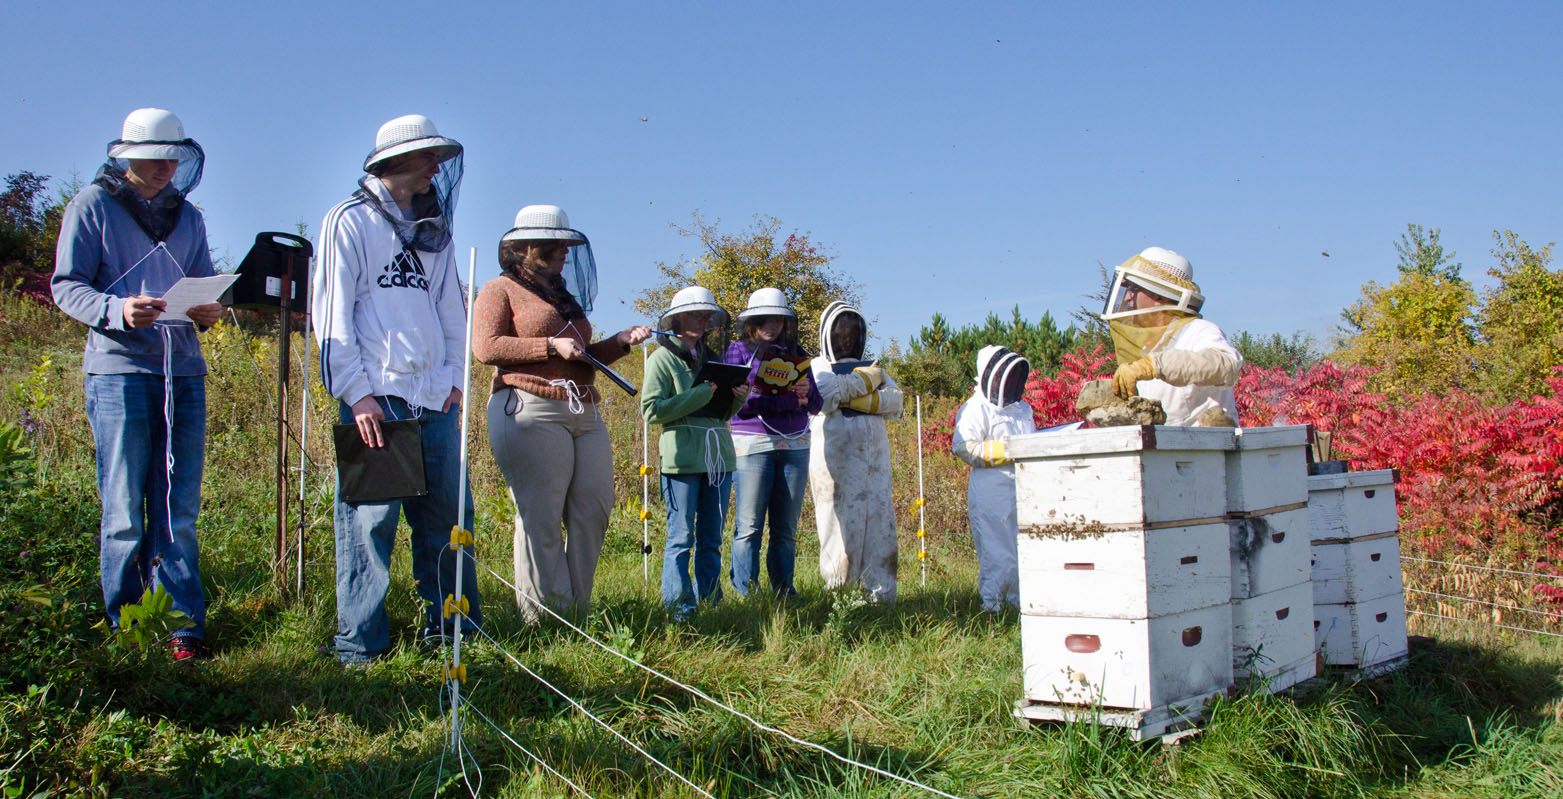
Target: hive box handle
pixel 1192 636
pixel 1082 643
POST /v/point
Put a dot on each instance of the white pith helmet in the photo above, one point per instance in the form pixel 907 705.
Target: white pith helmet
pixel 543 223
pixel 694 298
pixel 152 133
pixel 767 302
pixel 1161 272
pixel 405 134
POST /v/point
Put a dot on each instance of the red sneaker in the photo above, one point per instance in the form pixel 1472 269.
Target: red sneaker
pixel 189 649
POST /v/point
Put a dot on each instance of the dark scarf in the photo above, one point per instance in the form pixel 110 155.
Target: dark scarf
pixel 157 217
pixel 549 289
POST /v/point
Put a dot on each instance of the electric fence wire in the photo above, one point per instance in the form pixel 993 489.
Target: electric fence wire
pixel 467 702
pixel 1483 568
pixel 1486 602
pixel 1415 612
pixel 463 754
pixel 578 706
pixel 704 696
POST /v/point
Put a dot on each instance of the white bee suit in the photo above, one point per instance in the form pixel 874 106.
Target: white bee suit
pixel 849 475
pixel 1196 367
pixel 990 495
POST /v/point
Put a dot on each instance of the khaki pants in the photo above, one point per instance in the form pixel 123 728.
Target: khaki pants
pixel 559 468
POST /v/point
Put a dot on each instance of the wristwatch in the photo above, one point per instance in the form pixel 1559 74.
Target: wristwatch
pixel 548 345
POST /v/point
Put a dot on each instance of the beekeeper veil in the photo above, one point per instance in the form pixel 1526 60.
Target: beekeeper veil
pixel 1001 375
pixel 152 134
pixel 400 144
pixel 1152 294
pixel 843 334
pixel 572 289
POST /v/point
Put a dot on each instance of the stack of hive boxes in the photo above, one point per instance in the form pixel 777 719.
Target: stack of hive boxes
pixel 1125 575
pixel 1272 591
pixel 1359 608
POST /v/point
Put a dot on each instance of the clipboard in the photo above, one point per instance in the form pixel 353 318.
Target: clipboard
pixel 608 372
pixel 725 376
pixel 380 474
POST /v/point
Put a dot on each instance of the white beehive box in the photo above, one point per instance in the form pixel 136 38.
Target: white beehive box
pixel 1362 634
pixel 1356 569
pixel 1268 469
pixel 1352 505
pixel 1269 552
pixel 1125 574
pixel 1272 636
pixel 1092 481
pixel 1127 663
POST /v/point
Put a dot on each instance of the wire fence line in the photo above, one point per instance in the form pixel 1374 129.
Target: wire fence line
pixel 712 700
pixel 1482 568
pixel 1485 602
pixel 467 703
pixel 1536 581
pixel 578 706
pixel 1416 612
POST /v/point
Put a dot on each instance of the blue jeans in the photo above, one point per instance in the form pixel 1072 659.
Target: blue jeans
pixel 147 533
pixel 695 522
pixel 366 531
pixel 768 481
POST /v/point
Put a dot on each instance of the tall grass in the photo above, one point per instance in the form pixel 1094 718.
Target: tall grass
pixel 922 688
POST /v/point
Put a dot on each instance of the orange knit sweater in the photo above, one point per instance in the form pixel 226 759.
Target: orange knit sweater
pixel 510 331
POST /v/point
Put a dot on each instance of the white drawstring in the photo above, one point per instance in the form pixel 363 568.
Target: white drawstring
pixel 713 455
pixel 158 246
pixel 164 332
pixel 572 392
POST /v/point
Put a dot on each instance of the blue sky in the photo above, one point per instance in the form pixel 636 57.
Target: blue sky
pixel 956 157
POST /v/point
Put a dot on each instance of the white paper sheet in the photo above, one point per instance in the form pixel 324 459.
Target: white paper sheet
pixel 192 291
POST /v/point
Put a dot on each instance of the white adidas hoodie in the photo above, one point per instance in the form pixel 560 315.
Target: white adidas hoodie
pixel 390 322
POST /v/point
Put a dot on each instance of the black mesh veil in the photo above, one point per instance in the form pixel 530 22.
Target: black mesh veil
pixel 580 267
pixel 1002 376
pixel 192 159
pixel 847 336
pixel 426 223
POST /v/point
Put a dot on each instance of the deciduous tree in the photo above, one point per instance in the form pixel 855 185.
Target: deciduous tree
pixel 734 265
pixel 1417 332
pixel 1521 320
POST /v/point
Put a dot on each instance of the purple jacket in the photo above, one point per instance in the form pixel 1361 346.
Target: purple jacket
pixel 761 415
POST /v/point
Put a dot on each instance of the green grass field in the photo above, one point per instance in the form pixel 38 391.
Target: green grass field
pixel 922 688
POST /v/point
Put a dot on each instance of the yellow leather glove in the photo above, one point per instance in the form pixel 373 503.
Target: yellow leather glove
pixel 993 453
pixel 868 403
pixel 1130 374
pixel 873 375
